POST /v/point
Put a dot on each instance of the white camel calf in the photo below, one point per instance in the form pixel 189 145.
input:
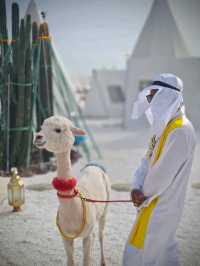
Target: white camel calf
pixel 76 217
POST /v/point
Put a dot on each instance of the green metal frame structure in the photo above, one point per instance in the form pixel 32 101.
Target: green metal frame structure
pixel 30 78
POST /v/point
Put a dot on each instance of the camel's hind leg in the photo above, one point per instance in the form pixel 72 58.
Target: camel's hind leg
pixel 101 238
pixel 102 220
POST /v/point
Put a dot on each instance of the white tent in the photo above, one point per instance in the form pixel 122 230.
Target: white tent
pixel 106 97
pixel 33 10
pixel 161 48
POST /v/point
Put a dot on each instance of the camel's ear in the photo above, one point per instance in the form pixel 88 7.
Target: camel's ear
pixel 77 131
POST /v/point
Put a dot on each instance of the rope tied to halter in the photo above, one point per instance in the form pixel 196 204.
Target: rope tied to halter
pixel 62 186
pixel 77 193
pixel 84 218
pixel 80 195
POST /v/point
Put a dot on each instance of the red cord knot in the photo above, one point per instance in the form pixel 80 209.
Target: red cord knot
pixel 76 192
pixel 61 184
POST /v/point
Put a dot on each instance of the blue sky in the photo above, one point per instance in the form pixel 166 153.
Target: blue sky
pixel 101 33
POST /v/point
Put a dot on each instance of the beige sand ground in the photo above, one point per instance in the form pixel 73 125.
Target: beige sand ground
pixel 30 238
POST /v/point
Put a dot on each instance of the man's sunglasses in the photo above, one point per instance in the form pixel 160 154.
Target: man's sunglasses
pixel 151 95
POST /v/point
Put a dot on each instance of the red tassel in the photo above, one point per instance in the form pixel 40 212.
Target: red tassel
pixel 64 184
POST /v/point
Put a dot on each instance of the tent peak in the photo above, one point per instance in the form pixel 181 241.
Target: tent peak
pixel 34 11
pixel 160 35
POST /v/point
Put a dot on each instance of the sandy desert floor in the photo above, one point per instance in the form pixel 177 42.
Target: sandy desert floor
pixel 30 238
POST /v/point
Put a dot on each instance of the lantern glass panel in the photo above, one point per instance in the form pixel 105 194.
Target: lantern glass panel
pixel 22 194
pixel 17 193
pixel 10 196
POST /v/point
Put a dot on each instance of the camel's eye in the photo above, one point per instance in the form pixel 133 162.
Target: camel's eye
pixel 57 130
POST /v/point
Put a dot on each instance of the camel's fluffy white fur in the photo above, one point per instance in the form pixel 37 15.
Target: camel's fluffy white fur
pixel 57 135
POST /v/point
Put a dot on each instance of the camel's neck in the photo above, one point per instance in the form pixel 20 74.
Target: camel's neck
pixel 64 169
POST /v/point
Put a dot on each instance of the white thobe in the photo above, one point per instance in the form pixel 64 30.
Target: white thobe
pixel 166 180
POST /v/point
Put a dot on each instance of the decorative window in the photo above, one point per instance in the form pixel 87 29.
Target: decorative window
pixel 116 94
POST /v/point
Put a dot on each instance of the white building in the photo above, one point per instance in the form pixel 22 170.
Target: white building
pixel 161 48
pixel 106 98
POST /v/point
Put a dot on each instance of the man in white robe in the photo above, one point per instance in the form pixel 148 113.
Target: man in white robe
pixel 160 183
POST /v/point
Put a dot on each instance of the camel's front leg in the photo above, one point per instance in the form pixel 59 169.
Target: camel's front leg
pixel 69 248
pixel 87 250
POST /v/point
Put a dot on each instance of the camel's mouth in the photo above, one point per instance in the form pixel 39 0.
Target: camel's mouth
pixel 40 144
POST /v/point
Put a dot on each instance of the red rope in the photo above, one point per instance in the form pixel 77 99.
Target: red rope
pixel 106 201
pixel 76 192
pixel 103 201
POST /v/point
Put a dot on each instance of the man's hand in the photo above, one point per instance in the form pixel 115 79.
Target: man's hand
pixel 137 197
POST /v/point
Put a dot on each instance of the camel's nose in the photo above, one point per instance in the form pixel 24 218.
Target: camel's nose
pixel 39 140
pixel 38 137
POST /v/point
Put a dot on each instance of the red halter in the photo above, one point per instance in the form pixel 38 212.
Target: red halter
pixel 68 196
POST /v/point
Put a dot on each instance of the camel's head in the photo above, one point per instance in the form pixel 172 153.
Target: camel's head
pixel 57 134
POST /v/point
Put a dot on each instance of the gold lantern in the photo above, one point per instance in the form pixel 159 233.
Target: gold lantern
pixel 16 197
